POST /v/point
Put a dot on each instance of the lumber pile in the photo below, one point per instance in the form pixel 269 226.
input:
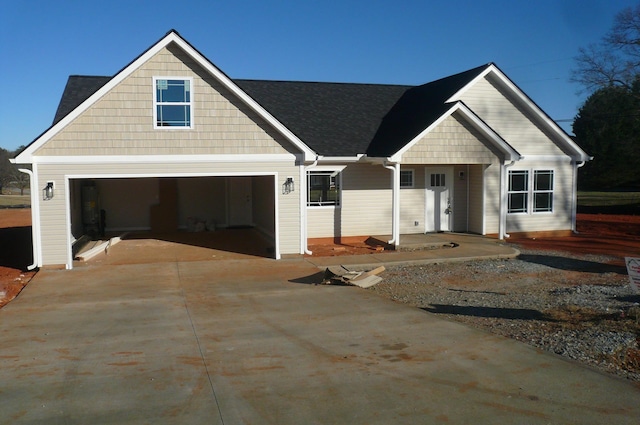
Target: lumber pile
pixel 340 275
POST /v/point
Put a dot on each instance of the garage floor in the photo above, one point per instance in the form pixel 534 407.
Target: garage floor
pixel 147 247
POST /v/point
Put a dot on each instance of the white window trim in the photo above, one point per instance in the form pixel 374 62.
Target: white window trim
pixel 413 178
pixel 190 103
pixel 531 191
pixel 338 171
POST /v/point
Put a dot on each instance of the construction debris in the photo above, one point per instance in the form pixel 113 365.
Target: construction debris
pixel 340 275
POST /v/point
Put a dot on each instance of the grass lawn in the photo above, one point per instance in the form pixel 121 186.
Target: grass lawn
pixel 14 200
pixel 609 202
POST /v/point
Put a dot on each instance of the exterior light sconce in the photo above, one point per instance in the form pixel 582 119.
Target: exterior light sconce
pixel 288 186
pixel 47 192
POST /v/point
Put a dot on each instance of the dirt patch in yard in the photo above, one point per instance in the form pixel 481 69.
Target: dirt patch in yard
pixel 15 252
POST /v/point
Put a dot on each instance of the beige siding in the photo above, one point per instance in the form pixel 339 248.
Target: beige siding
pixel 453 141
pixel 560 218
pixel 460 194
pixel 366 205
pixel 476 199
pixel 121 122
pixel 492 198
pixel 491 104
pixel 412 202
pixel 53 218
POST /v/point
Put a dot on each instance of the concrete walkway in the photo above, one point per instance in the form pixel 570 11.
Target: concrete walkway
pixel 253 342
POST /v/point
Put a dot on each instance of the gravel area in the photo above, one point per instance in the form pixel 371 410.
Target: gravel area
pixel 578 306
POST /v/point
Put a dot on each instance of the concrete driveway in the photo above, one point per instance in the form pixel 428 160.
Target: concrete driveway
pixel 252 342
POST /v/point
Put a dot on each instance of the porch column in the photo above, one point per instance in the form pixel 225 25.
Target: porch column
pixel 395 202
pixel 504 199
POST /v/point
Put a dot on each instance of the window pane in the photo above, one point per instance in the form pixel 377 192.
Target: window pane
pixel 173 116
pixel 437 180
pixel 518 181
pixel 323 188
pixel 543 180
pixel 518 202
pixel 173 91
pixel 542 202
pixel 406 178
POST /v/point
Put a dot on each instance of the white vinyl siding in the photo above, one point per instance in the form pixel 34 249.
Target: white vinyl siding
pixel 560 217
pixel 502 114
pixel 365 205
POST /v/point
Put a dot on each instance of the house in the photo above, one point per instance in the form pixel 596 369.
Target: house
pixel 171 137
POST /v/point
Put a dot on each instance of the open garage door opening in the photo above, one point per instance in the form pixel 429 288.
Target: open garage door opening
pixel 188 218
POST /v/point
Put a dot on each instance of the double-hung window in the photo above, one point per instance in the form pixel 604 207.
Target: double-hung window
pixel 524 197
pixel 173 102
pixel 323 188
pixel 543 191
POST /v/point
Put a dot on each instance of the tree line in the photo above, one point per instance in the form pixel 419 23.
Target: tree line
pixel 607 125
pixel 10 176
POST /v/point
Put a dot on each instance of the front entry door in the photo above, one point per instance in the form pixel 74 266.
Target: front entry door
pixel 438 199
pixel 239 195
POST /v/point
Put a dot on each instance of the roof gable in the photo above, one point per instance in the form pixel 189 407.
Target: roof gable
pixel 91 83
pixel 559 136
pixel 417 109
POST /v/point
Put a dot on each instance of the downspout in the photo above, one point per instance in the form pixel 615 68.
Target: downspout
pixel 574 207
pixel 502 232
pixel 395 203
pixel 303 207
pixel 35 227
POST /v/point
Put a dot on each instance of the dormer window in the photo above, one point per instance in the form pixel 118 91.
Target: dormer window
pixel 173 102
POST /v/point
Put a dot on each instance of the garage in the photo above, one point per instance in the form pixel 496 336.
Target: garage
pixel 223 212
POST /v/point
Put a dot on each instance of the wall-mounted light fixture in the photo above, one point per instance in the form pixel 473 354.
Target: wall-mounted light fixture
pixel 47 192
pixel 288 186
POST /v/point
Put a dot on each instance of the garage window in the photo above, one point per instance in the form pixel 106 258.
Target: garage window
pixel 173 102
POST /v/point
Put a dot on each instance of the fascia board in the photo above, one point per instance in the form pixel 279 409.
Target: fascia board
pixel 163 159
pixel 474 120
pixel 530 106
pixel 26 156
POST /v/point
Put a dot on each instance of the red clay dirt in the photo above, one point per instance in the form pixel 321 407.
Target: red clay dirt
pixel 615 235
pixel 600 234
pixel 15 252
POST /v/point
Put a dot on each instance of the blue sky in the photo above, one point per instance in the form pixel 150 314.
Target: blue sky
pixel 42 42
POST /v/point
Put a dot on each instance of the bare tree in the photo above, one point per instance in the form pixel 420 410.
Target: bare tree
pixel 615 60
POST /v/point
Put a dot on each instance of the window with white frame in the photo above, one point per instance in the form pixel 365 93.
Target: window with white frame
pixel 406 178
pixel 323 188
pixel 524 197
pixel 173 102
pixel 543 191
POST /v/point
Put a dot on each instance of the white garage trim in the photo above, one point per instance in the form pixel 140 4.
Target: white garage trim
pixel 69 177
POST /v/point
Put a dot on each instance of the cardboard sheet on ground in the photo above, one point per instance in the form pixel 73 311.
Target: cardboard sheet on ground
pixel 342 275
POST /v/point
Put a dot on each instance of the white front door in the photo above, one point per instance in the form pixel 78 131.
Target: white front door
pixel 438 199
pixel 239 202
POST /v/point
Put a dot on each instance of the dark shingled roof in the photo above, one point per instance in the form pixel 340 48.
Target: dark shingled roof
pixel 78 89
pixel 333 119
pixel 416 110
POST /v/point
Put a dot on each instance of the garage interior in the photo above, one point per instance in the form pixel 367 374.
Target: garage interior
pixel 234 214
